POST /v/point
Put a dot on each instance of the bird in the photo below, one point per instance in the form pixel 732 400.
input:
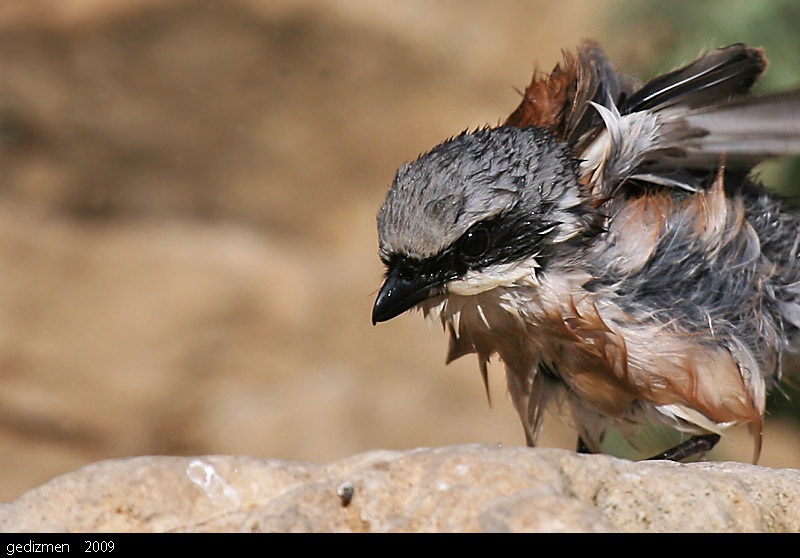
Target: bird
pixel 611 244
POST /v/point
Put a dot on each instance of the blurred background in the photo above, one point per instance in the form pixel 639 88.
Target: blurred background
pixel 188 192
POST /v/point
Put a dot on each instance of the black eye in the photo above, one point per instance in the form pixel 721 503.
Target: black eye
pixel 474 244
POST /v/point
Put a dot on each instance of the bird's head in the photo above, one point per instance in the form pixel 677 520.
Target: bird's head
pixel 485 209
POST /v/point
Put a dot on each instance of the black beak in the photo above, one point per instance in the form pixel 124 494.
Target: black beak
pixel 401 291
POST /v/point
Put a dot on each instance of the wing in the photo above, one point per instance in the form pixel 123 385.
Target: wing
pixel 674 131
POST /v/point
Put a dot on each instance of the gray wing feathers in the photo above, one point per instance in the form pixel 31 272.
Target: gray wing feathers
pixel 697 117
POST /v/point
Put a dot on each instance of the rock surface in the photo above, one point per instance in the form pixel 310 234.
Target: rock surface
pixel 467 488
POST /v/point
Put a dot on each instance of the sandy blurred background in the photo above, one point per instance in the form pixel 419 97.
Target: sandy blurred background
pixel 187 237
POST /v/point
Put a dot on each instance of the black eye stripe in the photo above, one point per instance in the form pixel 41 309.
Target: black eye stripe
pixel 511 236
pixel 438 269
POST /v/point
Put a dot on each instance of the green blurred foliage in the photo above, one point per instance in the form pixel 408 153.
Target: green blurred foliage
pixel 673 33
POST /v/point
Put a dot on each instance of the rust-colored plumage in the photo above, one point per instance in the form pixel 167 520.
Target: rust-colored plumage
pixel 545 101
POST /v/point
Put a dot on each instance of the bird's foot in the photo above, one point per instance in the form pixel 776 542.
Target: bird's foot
pixel 690 448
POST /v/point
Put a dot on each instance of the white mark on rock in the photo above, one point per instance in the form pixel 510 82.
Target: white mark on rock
pixel 204 475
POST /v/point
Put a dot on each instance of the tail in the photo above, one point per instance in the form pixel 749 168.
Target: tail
pixel 745 131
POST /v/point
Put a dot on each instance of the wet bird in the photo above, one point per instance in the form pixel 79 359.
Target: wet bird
pixel 610 244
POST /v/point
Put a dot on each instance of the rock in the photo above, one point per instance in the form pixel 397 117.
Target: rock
pixel 468 488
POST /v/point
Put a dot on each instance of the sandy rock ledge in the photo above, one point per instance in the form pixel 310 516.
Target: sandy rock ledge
pixel 448 489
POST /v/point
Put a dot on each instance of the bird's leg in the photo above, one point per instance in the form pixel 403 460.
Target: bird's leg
pixel 691 447
pixel 582 447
